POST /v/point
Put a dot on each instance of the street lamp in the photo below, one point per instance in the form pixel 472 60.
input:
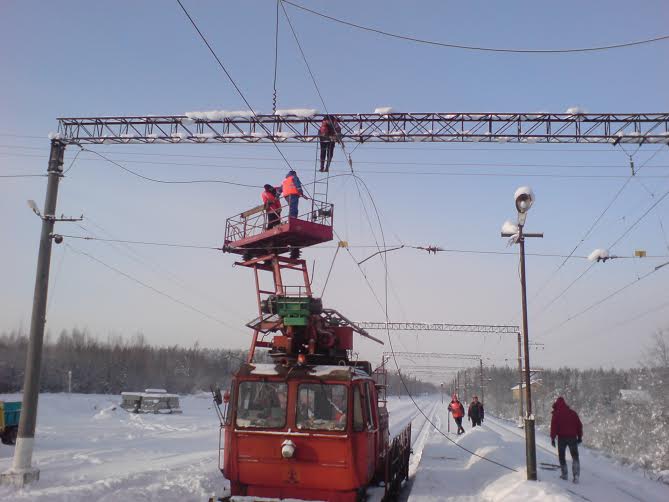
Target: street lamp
pixel 524 198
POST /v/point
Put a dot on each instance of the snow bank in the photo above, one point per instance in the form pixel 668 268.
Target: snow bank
pixel 296 112
pixel 220 114
pixel 599 255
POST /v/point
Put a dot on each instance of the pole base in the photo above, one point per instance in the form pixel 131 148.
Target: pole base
pixel 19 478
pixel 530 450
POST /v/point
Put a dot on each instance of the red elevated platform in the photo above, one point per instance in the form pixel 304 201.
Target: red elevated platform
pixel 248 233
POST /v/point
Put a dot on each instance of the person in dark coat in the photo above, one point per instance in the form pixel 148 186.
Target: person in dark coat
pixel 475 412
pixel 568 428
pixel 328 135
pixel 458 412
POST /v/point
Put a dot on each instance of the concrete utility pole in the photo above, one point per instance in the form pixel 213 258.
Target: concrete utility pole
pixel 22 472
pixel 481 390
pixel 521 414
pixel 69 381
pixel 524 198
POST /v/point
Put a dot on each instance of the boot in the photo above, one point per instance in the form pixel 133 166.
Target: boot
pixel 322 165
pixel 564 475
pixel 576 470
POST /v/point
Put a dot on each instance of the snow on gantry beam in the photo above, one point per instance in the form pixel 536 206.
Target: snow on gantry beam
pixel 238 127
pixel 425 326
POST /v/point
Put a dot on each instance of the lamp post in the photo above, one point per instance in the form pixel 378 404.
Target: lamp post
pixel 524 198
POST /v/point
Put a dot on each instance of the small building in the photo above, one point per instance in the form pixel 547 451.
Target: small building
pixel 150 401
pixel 634 396
pixel 535 386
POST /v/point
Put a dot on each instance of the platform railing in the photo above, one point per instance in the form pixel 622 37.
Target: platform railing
pixel 255 220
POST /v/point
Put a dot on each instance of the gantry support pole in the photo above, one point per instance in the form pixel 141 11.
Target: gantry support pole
pixel 521 413
pixel 22 472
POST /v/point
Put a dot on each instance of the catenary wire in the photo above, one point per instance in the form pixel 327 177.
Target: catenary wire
pixel 592 227
pixel 148 286
pixel 170 182
pixel 479 48
pixel 232 81
pixel 384 307
pixel 602 300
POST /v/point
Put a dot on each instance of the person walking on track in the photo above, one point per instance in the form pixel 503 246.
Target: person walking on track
pixel 475 412
pixel 328 135
pixel 458 412
pixel 568 428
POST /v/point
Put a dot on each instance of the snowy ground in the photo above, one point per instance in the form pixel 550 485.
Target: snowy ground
pixel 447 472
pixel 88 451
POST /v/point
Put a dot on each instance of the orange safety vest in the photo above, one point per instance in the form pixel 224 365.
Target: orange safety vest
pixel 457 410
pixel 289 187
pixel 273 202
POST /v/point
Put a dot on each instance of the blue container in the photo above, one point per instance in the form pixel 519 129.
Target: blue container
pixel 12 413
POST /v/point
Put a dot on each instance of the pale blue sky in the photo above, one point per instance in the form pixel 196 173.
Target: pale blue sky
pixel 133 58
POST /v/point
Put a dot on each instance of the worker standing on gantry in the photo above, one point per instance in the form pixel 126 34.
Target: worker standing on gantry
pixel 328 135
pixel 291 189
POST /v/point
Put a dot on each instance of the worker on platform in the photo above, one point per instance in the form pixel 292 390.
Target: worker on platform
pixel 291 189
pixel 272 206
pixel 567 427
pixel 475 412
pixel 328 134
pixel 458 411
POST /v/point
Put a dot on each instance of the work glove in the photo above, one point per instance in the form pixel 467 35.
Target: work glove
pixel 579 440
pixel 553 443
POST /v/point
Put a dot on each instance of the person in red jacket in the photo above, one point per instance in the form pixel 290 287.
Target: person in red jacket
pixel 328 134
pixel 568 428
pixel 272 205
pixel 458 411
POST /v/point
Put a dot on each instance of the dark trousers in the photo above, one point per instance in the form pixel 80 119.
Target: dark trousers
pixel 476 421
pixel 293 201
pixel 573 450
pixel 458 421
pixel 273 219
pixel 327 150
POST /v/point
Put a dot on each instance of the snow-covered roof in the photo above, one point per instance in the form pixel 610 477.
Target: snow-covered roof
pixel 155 391
pixel 522 386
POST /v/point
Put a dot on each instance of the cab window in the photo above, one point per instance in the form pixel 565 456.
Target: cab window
pixel 322 407
pixel 262 405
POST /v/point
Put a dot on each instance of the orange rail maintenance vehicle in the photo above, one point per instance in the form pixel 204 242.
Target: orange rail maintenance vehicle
pixel 311 424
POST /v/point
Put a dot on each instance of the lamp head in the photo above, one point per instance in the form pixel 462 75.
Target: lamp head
pixel 524 198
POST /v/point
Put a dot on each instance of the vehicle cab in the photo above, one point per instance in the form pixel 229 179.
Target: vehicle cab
pixel 306 432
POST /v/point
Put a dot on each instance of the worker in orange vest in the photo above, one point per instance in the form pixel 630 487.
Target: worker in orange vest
pixel 272 206
pixel 291 189
pixel 458 411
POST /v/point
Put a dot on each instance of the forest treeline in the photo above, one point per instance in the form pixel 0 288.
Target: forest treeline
pixel 115 364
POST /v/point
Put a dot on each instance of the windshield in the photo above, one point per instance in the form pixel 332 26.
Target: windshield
pixel 262 404
pixel 322 407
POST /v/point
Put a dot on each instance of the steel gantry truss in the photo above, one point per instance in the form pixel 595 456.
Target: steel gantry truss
pixel 431 355
pixel 440 326
pixel 245 127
